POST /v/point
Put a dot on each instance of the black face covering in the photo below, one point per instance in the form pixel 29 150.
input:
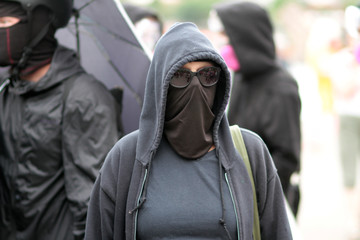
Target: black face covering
pixel 14 39
pixel 189 119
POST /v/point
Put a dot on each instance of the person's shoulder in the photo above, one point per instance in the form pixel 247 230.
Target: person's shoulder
pixel 259 155
pixel 86 88
pixel 251 137
pixel 254 143
pixel 286 78
pixel 281 83
pixel 122 154
pixel 128 141
pixel 86 81
pixel 125 145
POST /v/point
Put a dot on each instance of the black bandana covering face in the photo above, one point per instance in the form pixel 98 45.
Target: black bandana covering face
pixel 189 119
pixel 14 39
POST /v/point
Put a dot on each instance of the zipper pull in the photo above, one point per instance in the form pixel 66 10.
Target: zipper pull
pixel 4 84
pixel 142 201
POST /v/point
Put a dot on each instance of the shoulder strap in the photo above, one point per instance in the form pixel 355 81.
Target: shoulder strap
pixel 240 146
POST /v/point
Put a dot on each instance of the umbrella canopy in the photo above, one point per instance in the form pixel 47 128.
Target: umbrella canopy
pixel 108 48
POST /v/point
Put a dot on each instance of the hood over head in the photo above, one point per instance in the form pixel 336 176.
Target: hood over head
pixel 181 44
pixel 250 32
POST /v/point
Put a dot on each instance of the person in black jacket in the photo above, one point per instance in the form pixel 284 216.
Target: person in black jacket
pixel 57 123
pixel 265 97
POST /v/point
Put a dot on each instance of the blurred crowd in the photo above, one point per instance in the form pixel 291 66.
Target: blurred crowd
pixel 295 83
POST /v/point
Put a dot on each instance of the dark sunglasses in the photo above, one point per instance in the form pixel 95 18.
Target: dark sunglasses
pixel 208 76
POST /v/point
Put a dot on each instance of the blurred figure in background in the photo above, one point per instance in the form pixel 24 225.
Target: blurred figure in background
pixel 147 22
pixel 344 70
pixel 264 96
pixel 322 43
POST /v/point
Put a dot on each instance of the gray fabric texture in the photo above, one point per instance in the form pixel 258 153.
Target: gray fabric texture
pixel 183 198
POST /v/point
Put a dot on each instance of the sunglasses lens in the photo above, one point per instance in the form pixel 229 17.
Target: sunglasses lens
pixel 209 76
pixel 181 78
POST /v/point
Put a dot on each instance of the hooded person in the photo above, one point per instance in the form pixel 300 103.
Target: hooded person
pixel 147 23
pixel 179 175
pixel 57 123
pixel 264 97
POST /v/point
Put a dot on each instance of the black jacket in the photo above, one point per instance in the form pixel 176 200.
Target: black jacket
pixel 264 97
pixel 119 188
pixel 52 144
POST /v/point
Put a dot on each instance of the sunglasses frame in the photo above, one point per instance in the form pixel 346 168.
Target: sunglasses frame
pixel 193 74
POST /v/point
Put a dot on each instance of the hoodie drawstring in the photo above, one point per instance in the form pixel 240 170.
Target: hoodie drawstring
pixel 222 218
pixel 144 189
pixel 144 192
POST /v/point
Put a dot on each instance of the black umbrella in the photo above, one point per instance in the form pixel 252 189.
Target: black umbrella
pixel 108 48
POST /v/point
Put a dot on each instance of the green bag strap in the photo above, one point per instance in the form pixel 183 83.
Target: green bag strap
pixel 240 146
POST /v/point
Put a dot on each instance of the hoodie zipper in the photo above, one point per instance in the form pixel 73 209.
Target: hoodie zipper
pixel 138 200
pixel 234 205
pixel 4 84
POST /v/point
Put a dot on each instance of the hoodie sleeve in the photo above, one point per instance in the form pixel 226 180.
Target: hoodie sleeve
pixel 101 211
pixel 89 132
pixel 274 222
pixel 107 206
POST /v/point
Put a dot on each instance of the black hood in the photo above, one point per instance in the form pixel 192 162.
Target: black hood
pixel 251 34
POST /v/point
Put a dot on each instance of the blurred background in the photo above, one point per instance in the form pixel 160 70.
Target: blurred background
pixel 308 33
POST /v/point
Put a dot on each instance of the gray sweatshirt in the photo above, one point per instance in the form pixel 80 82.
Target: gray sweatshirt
pixel 120 189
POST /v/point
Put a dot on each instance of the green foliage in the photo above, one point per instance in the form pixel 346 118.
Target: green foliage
pixel 346 3
pixel 276 5
pixel 196 11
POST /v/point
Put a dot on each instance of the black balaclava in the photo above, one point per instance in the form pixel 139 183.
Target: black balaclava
pixel 189 119
pixel 14 39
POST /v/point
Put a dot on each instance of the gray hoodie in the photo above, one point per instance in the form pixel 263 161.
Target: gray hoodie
pixel 118 193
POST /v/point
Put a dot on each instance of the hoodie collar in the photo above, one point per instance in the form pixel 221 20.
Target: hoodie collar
pixel 63 65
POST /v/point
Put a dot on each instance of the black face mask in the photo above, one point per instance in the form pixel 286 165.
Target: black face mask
pixel 14 39
pixel 12 43
pixel 189 119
